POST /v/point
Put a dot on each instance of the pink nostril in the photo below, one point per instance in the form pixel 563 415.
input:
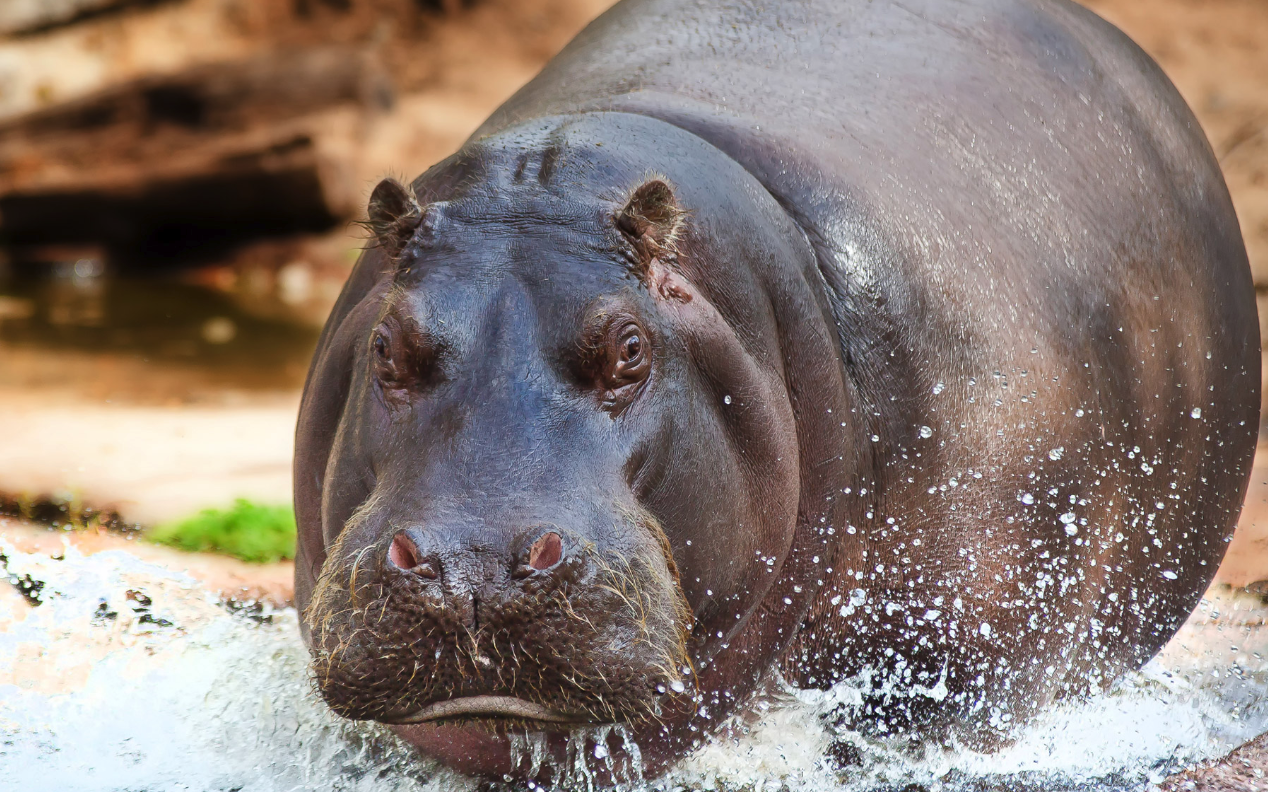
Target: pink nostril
pixel 546 551
pixel 402 553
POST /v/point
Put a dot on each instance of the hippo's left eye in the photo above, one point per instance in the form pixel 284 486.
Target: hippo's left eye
pixel 632 348
pixel 630 360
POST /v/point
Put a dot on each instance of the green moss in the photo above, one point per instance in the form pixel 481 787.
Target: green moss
pixel 250 531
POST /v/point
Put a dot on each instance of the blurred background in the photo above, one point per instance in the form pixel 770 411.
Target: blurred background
pixel 178 184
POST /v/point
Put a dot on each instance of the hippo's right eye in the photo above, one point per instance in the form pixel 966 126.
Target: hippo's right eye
pixel 388 358
pixel 403 359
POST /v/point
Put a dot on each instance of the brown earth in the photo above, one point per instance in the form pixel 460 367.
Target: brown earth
pixel 1243 770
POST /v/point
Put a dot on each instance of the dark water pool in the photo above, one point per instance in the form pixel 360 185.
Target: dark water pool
pixel 60 320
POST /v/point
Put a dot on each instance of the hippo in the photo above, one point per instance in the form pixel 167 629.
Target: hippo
pixel 905 344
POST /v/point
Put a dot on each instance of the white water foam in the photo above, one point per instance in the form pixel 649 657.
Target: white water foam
pixel 127 676
pixel 179 694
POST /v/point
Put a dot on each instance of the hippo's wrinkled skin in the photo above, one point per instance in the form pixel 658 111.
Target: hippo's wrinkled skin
pixel 835 337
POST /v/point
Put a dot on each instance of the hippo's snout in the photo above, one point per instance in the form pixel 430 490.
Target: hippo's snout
pixel 467 582
pixel 547 627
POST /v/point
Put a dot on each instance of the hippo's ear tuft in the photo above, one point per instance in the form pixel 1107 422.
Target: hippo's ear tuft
pixel 394 215
pixel 651 218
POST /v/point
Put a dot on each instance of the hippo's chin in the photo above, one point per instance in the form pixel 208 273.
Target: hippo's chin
pixel 487 708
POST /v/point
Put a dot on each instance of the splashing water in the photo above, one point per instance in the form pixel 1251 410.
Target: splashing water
pixel 128 676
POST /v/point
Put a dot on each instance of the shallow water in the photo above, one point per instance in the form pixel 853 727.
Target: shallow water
pixel 54 318
pixel 127 676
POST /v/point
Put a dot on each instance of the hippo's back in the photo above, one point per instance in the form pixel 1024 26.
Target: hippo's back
pixel 917 121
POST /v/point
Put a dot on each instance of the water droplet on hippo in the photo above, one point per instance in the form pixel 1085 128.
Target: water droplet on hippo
pixel 1196 413
pixel 1056 453
pixel 876 438
pixel 925 431
pixel 1079 412
pixel 726 399
pixel 938 388
pixel 677 686
pixel 1169 575
pixel 600 751
pixel 1027 498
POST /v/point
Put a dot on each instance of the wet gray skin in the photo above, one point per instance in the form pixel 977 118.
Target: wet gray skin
pixel 825 338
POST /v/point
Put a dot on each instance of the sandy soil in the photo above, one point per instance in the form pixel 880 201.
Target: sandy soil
pixel 1246 561
pixel 1244 770
pixel 150 464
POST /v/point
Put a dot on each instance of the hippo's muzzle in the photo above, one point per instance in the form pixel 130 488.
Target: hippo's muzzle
pixel 547 631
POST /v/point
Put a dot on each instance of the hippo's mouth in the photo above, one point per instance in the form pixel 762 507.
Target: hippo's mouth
pixel 507 707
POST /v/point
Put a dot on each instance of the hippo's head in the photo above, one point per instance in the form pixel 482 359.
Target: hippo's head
pixel 550 470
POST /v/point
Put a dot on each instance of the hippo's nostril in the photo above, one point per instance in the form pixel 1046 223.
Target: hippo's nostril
pixel 546 551
pixel 403 554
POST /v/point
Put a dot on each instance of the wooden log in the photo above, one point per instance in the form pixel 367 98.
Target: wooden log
pixel 199 205
pixel 212 156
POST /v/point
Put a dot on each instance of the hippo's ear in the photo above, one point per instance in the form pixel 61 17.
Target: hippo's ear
pixel 394 215
pixel 651 218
